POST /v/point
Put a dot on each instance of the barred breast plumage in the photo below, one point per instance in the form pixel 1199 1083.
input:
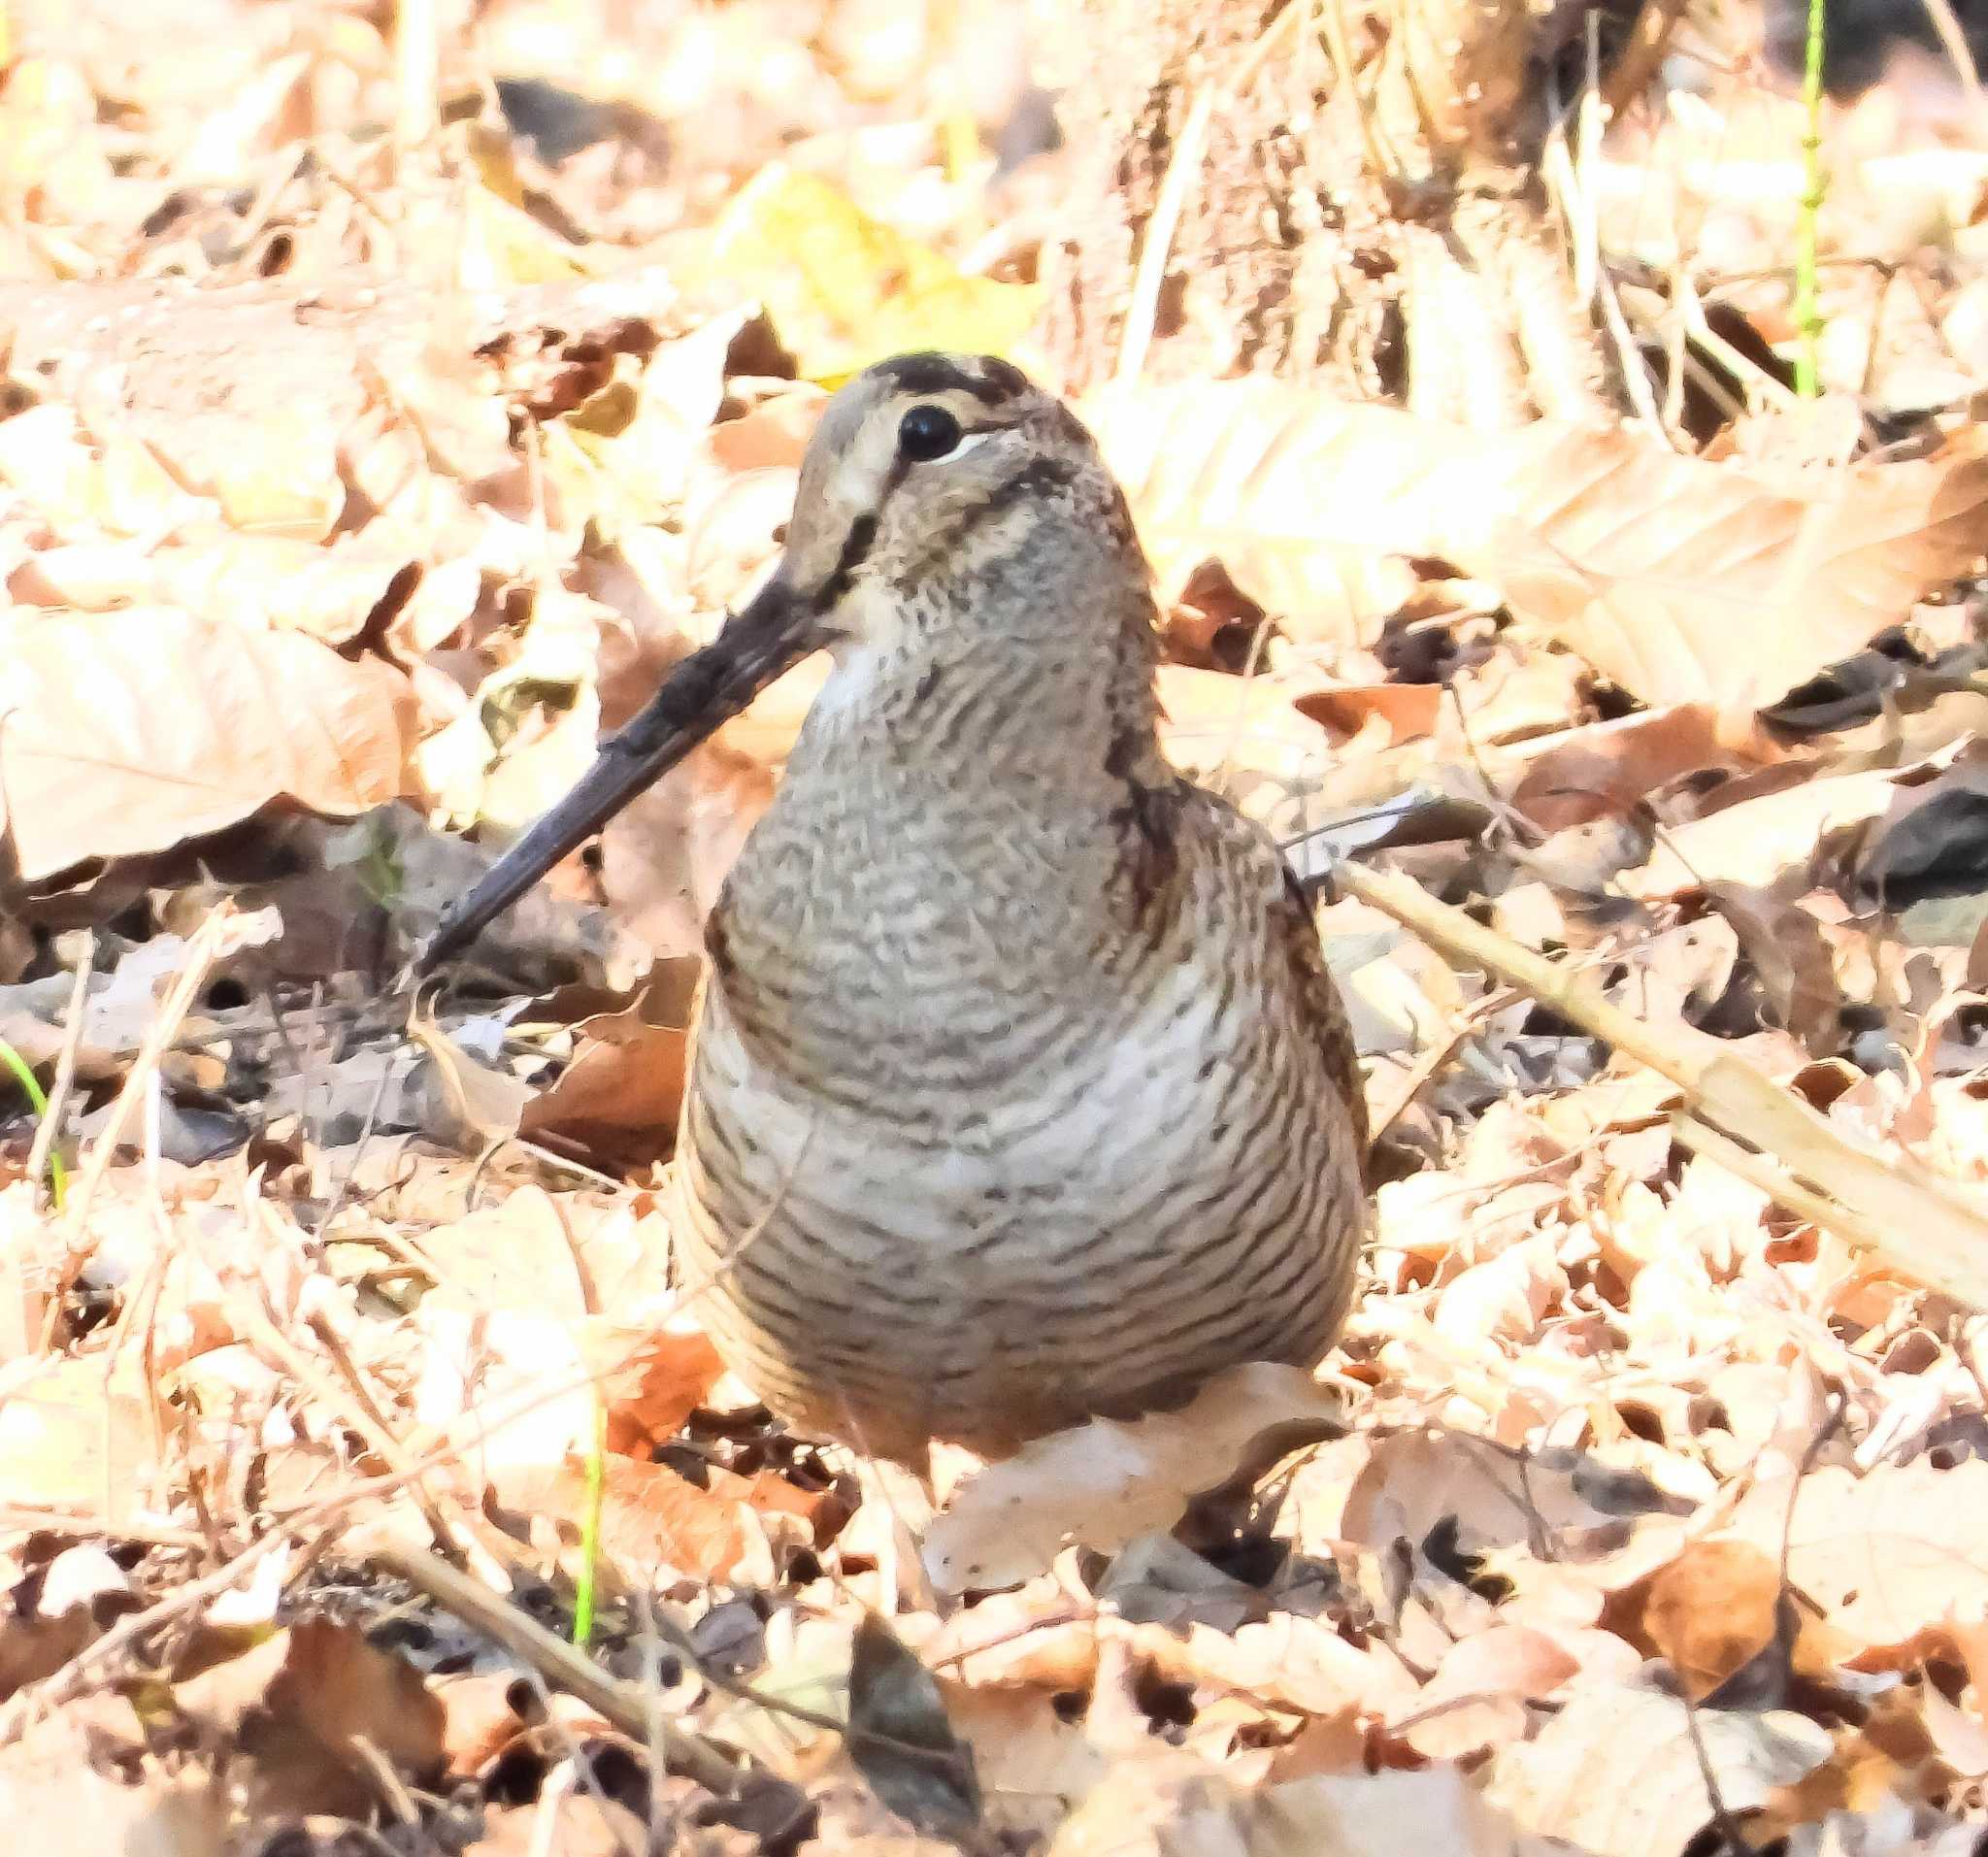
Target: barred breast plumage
pixel 1018 1090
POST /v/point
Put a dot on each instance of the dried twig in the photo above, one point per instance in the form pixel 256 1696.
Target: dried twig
pixel 65 1062
pixel 628 1706
pixel 226 931
pixel 1890 1204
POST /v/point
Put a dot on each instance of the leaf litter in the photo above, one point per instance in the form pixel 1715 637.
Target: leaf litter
pixel 350 486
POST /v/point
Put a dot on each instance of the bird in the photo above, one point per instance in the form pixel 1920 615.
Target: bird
pixel 1019 1092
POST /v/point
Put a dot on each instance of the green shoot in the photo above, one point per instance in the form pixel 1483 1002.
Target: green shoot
pixel 590 1529
pixel 1808 299
pixel 58 1175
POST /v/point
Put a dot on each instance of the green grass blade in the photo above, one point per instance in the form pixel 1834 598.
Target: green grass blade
pixel 38 1101
pixel 1808 298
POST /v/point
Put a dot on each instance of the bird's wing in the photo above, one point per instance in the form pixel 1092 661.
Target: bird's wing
pixel 1292 928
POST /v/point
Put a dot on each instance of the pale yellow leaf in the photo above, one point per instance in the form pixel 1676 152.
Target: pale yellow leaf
pixel 129 732
pixel 1682 579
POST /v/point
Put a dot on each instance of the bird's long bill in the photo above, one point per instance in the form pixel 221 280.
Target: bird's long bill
pixel 774 632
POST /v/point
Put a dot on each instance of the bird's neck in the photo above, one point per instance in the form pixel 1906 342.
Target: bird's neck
pixel 1069 711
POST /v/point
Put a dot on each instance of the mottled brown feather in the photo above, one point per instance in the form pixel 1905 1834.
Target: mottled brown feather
pixel 1293 922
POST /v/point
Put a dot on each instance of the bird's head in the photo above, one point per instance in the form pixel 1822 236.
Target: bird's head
pixel 938 492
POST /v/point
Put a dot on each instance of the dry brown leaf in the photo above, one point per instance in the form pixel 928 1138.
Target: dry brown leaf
pixel 127 733
pixel 522 1253
pixel 625 1088
pixel 480 1718
pixel 1407 1484
pixel 1359 1815
pixel 665 855
pixel 1616 1771
pixel 51 1797
pixel 654 1386
pixel 1712 1610
pixel 1476 1697
pixel 1646 563
pixel 1103 1483
pixel 1603 769
pixel 1884 1554
pixel 1034 1766
pixel 653 1520
pixel 1405 711
pixel 573 1824
pixel 298 1704
pixel 1756 840
pixel 256 583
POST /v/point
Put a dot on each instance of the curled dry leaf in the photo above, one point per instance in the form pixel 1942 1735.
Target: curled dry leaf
pixel 299 1703
pixel 1711 1611
pixel 127 733
pixel 461 1101
pixel 1103 1483
pixel 1477 1695
pixel 654 1522
pixel 1644 563
pixel 620 1095
pixel 1603 769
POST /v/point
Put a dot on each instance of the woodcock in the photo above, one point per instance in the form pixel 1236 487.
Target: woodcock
pixel 1019 1092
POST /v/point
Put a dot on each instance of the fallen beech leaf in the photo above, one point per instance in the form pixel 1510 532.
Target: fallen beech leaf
pixel 1359 1815
pixel 480 1718
pixel 1408 709
pixel 1103 1483
pixel 129 732
pixel 255 583
pixel 1712 1610
pixel 1646 563
pixel 52 1797
pixel 664 858
pixel 844 290
pixel 653 1520
pixel 1476 1697
pixel 298 1704
pixel 655 1386
pixel 1754 840
pixel 1031 1762
pixel 1412 1483
pixel 1616 1771
pixel 1603 769
pixel 1883 1553
pixel 624 1087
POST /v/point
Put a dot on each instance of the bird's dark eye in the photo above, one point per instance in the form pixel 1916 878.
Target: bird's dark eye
pixel 927 432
